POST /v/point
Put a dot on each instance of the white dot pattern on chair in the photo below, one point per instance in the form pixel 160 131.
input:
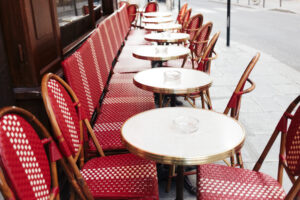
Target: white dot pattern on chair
pixel 18 139
pixel 130 172
pixel 222 182
pixel 96 63
pixel 100 127
pixel 113 100
pixel 60 100
pixel 85 83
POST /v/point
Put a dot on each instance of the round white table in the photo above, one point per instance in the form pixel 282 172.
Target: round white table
pixel 162 27
pixel 160 52
pixel 157 14
pixel 161 80
pixel 167 37
pixel 154 135
pixel 157 20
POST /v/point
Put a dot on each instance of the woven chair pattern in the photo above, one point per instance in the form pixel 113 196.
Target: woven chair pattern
pixel 123 27
pixel 105 43
pixel 293 144
pixel 126 176
pixel 222 182
pixel 116 27
pixel 151 7
pixel 81 75
pixel 201 39
pixel 24 159
pixel 193 25
pixel 65 114
pixel 111 34
pixel 108 125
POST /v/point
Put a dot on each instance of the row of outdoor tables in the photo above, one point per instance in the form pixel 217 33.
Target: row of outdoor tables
pixel 177 135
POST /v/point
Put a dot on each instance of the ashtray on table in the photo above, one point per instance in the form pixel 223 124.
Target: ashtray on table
pixel 186 124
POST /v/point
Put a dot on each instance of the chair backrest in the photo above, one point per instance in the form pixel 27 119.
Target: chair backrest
pixel 288 128
pixel 132 12
pixel 185 19
pixel 193 25
pixel 66 117
pixel 234 103
pixel 181 13
pixel 121 3
pixel 205 63
pixel 23 158
pixel 200 41
pixel 151 7
pixel 123 27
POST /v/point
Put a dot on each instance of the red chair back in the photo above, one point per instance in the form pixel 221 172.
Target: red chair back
pixel 151 7
pixel 181 13
pixel 292 143
pixel 24 162
pixel 205 62
pixel 193 25
pixel 186 18
pixel 132 12
pixel 201 39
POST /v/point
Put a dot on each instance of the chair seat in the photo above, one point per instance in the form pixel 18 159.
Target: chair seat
pixel 121 85
pixel 114 112
pixel 121 177
pixel 222 182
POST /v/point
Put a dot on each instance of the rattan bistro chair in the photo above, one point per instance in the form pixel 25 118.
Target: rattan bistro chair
pixel 185 19
pixel 199 42
pixel 204 65
pixel 181 13
pixel 107 177
pixel 151 7
pixel 132 10
pixel 221 182
pixel 25 172
pixel 193 25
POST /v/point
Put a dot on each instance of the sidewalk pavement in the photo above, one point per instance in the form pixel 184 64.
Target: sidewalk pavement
pixel 277 85
pixel 292 6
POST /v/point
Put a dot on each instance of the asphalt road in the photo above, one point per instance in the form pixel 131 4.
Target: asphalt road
pixel 273 32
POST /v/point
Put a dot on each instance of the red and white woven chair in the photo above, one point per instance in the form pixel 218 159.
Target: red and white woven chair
pixel 181 13
pixel 185 19
pixel 26 171
pixel 221 182
pixel 132 10
pixel 108 177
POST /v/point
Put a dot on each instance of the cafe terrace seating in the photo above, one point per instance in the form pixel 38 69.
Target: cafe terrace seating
pixel 31 177
pixel 118 176
pixel 221 182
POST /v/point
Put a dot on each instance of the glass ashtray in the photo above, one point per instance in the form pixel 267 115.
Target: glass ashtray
pixel 172 75
pixel 186 124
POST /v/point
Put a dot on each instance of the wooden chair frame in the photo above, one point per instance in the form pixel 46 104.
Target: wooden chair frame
pixel 189 31
pixel 72 170
pixel 39 128
pixel 207 57
pixel 185 19
pixel 282 165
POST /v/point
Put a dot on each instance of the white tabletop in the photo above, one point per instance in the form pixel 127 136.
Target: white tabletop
pixel 167 37
pixel 157 20
pixel 162 27
pixel 158 14
pixel 160 52
pixel 153 135
pixel 155 80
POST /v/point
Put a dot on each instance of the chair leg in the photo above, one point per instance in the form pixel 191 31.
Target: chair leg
pixel 239 159
pixel 184 61
pixel 202 100
pixel 209 105
pixel 171 174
